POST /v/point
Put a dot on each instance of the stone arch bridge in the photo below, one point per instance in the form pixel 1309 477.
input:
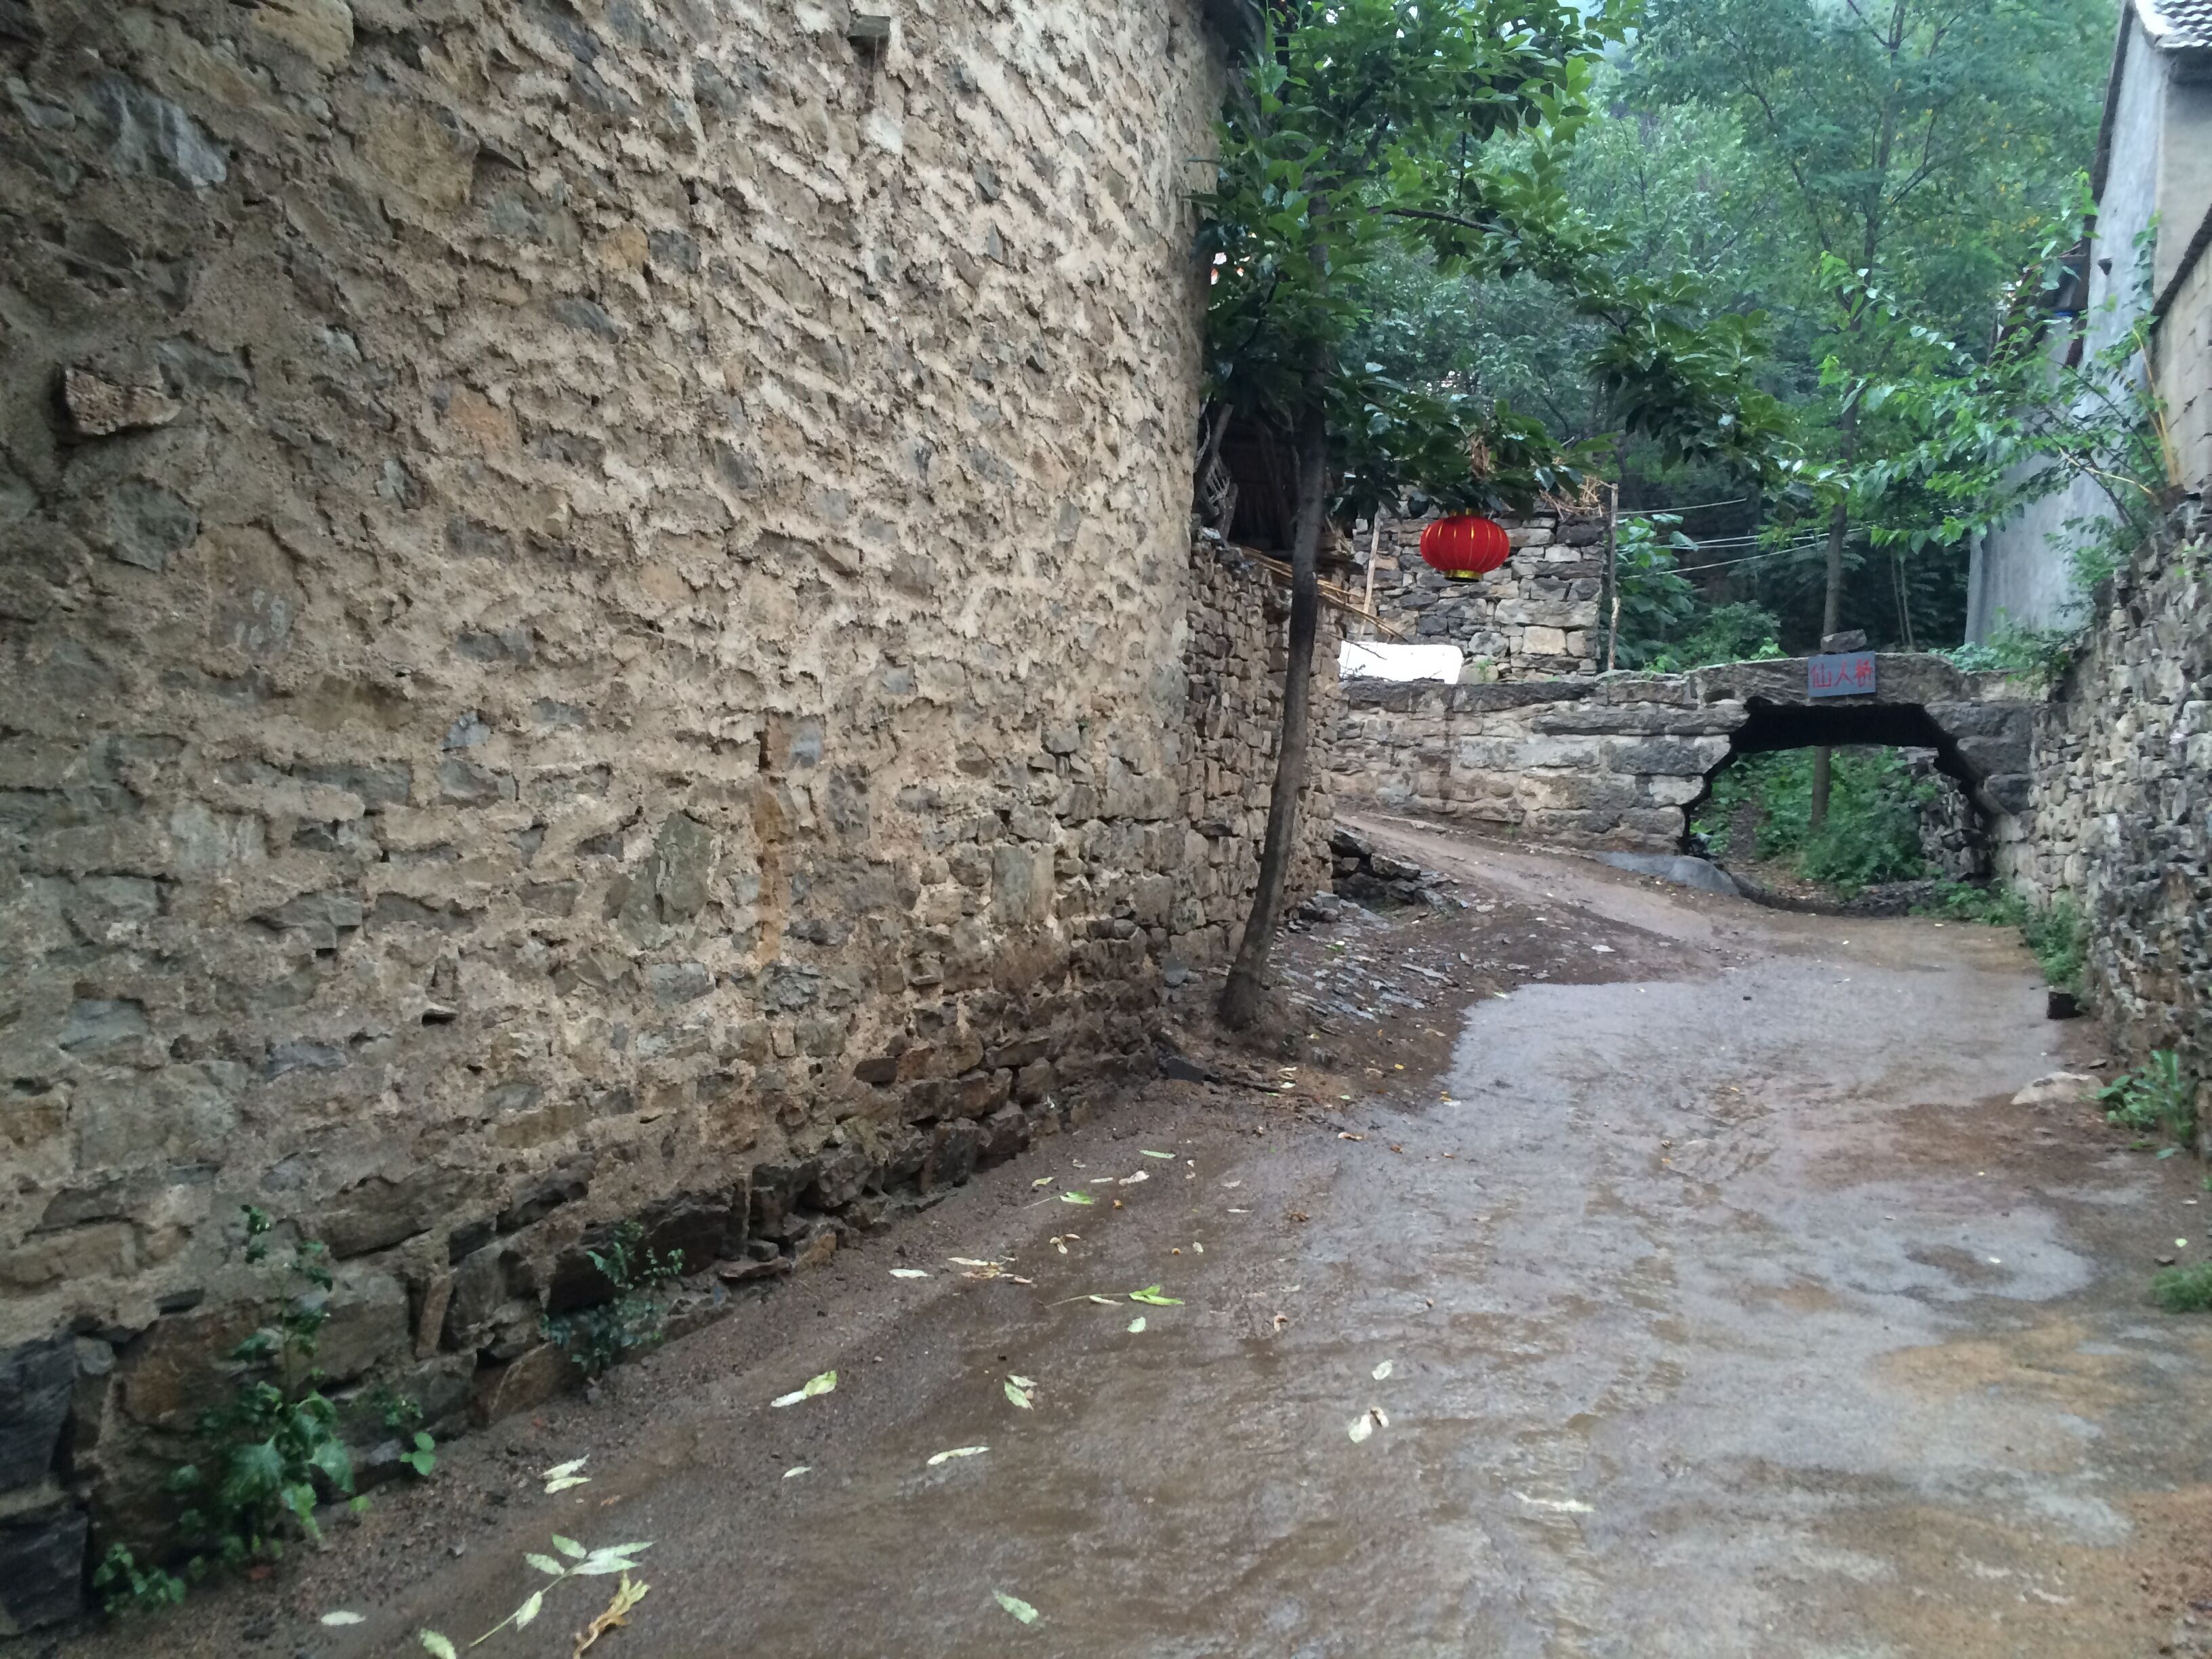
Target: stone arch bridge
pixel 1621 760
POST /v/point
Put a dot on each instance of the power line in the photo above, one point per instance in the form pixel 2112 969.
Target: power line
pixel 1806 546
pixel 1667 511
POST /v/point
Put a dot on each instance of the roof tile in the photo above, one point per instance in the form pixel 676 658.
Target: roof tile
pixel 2180 24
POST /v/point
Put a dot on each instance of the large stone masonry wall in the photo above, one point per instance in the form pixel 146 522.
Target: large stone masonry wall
pixel 1535 617
pixel 2121 819
pixel 594 614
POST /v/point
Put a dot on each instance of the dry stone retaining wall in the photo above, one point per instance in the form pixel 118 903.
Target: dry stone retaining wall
pixel 599 621
pixel 1617 760
pixel 1536 616
pixel 1237 657
pixel 2121 808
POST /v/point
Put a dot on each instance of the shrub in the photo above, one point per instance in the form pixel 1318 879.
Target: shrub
pixel 2060 940
pixel 272 1450
pixel 637 1315
pixel 2184 1290
pixel 2154 1096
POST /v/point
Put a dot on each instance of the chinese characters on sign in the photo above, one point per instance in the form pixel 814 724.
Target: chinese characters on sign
pixel 1847 676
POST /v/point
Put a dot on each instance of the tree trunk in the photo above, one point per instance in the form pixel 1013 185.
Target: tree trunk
pixel 1831 620
pixel 1832 617
pixel 1240 1002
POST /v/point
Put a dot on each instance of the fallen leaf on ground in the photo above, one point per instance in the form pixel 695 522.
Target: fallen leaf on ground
pixel 436 1644
pixel 1044 1181
pixel 797 1470
pixel 1382 1371
pixel 1017 1397
pixel 342 1619
pixel 1151 1294
pixel 561 1469
pixel 1559 1505
pixel 1131 1180
pixel 1346 1134
pixel 908 1273
pixel 1077 1198
pixel 1362 1427
pixel 969 1261
pixel 627 1596
pixel 1137 1325
pixel 1014 1604
pixel 814 1385
pixel 1147 1153
pixel 958 1451
pixel 567 1482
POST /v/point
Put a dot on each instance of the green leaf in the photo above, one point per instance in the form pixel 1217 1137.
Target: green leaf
pixel 560 1470
pixel 436 1644
pixel 341 1617
pixel 528 1610
pixel 1017 1397
pixel 1151 1294
pixel 958 1451
pixel 1144 1153
pixel 569 1546
pixel 1137 1326
pixel 1014 1604
pixel 1077 1198
pixel 813 1386
pixel 547 1565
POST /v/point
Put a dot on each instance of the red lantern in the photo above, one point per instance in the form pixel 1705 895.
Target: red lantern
pixel 1466 547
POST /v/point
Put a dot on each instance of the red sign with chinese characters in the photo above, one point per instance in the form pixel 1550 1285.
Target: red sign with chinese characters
pixel 1851 675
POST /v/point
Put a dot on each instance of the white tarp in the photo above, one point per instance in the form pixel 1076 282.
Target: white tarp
pixel 1383 661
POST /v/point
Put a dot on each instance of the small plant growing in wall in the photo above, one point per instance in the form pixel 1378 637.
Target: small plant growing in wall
pixel 275 1449
pixel 126 1588
pixel 636 1316
pixel 272 1450
pixel 404 1417
pixel 2152 1098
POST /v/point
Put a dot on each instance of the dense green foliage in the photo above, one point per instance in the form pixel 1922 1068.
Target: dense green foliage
pixel 1872 832
pixel 1875 180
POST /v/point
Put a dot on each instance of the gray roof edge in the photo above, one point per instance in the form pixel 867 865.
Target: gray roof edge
pixel 2178 26
pixel 2102 168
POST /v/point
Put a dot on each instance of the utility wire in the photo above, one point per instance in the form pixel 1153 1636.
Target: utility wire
pixel 1667 511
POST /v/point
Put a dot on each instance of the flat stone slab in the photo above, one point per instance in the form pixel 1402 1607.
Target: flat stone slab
pixel 1679 868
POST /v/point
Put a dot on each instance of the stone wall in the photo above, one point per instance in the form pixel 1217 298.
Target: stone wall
pixel 2122 820
pixel 1609 761
pixel 1538 615
pixel 595 613
pixel 1617 760
pixel 1236 654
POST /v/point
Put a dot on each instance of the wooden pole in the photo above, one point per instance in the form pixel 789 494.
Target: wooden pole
pixel 1374 552
pixel 1612 574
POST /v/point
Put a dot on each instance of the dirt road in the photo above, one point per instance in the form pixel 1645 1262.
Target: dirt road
pixel 1723 1309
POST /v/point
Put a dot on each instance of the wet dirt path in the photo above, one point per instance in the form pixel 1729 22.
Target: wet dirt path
pixel 1729 1309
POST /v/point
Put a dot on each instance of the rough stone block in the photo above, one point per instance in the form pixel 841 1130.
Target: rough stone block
pixel 42 1568
pixel 37 1381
